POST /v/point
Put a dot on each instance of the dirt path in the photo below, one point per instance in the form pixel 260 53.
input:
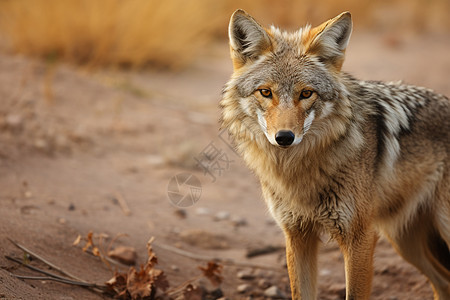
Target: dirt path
pixel 71 141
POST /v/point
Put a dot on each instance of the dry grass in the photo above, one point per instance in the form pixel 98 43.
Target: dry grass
pixel 382 15
pixel 171 33
pixel 105 32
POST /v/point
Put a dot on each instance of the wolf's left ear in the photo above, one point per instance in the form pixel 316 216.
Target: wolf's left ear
pixel 248 39
pixel 330 39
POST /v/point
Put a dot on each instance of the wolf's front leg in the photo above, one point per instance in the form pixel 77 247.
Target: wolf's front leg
pixel 358 257
pixel 301 256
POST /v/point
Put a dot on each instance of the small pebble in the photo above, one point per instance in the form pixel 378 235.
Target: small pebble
pixel 222 216
pixel 243 288
pixel 271 222
pixel 202 211
pixel 324 272
pixel 71 207
pixel 264 273
pixel 238 221
pixel 181 213
pixel 14 121
pixel 155 160
pixel 41 144
pixel 124 254
pixel 263 284
pixel 337 289
pixel 274 292
pixel 217 293
pixel 245 275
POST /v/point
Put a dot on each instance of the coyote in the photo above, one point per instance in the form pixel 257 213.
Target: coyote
pixel 337 155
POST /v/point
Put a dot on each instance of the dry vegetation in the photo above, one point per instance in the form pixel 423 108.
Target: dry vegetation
pixel 171 33
pixel 98 32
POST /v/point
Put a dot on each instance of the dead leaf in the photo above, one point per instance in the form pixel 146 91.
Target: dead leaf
pixel 159 279
pixel 96 251
pixel 212 272
pixel 118 284
pixel 77 240
pixel 89 241
pixel 152 259
pixel 139 284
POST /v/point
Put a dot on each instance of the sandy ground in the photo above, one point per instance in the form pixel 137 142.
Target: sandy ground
pixel 71 141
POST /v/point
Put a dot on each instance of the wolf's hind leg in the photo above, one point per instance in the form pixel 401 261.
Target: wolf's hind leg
pixel 421 245
pixel 443 215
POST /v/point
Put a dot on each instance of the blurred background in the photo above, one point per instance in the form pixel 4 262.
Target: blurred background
pixel 142 33
pixel 103 102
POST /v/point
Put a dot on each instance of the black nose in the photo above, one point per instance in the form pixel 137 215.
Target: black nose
pixel 284 137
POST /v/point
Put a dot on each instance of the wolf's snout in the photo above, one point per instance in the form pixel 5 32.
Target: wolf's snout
pixel 284 137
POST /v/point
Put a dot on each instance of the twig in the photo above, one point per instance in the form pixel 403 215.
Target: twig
pixel 62 280
pixel 119 235
pixel 33 268
pixel 263 250
pixel 108 259
pixel 46 261
pixel 178 289
pixel 54 277
pixel 123 204
pixel 211 258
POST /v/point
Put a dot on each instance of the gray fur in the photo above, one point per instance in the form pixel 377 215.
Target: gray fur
pixel 374 156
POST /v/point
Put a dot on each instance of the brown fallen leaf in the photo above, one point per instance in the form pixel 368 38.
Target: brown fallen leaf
pixel 77 240
pixel 139 283
pixel 159 279
pixel 118 284
pixel 152 259
pixel 212 272
pixel 89 241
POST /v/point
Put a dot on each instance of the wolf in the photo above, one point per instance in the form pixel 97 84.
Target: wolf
pixel 339 156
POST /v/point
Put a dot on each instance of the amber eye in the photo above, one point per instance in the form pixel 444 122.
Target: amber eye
pixel 305 94
pixel 266 93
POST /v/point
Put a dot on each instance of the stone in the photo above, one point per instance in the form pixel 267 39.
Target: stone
pixel 202 211
pixel 221 216
pixel 243 288
pixel 274 292
pixel 238 221
pixel 123 254
pixel 263 284
pixel 245 275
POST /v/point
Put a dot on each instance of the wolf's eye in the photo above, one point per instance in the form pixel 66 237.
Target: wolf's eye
pixel 305 94
pixel 266 93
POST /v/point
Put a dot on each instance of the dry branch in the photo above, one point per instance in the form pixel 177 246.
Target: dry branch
pixel 45 261
pixel 123 203
pixel 62 280
pixel 211 258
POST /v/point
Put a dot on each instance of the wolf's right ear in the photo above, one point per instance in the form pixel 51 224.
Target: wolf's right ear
pixel 248 39
pixel 330 39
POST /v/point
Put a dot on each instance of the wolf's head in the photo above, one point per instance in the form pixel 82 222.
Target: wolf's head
pixel 285 83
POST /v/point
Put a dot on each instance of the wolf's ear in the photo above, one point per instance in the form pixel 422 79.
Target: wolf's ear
pixel 248 39
pixel 330 39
